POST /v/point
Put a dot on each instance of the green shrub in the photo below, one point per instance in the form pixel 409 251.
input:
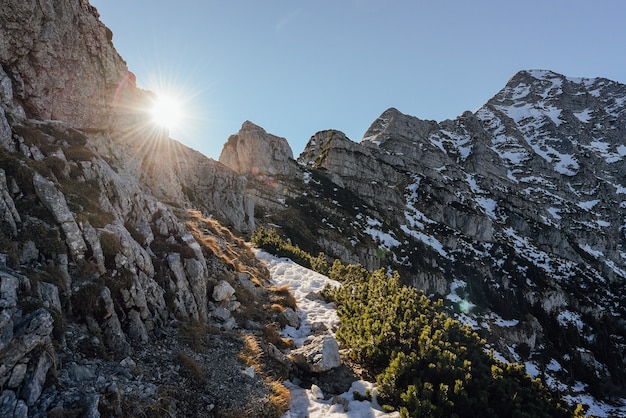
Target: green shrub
pixel 269 240
pixel 426 363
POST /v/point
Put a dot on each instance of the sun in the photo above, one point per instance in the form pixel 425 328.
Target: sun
pixel 167 111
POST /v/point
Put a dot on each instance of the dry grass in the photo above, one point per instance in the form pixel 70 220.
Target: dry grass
pixel 271 335
pixel 220 241
pixel 281 295
pixel 195 334
pixel 190 364
pixel 253 355
pixel 280 397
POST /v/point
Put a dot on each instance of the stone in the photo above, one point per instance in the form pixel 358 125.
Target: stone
pixel 36 378
pixel 6 328
pixel 50 296
pixel 222 291
pixel 79 373
pixel 17 375
pixel 290 317
pixel 91 403
pixel 8 290
pixel 136 328
pixel 221 313
pixel 29 252
pixel 114 337
pixel 11 407
pixel 318 354
pixel 31 332
pixel 8 211
pixel 55 201
pixel 278 355
pixel 317 392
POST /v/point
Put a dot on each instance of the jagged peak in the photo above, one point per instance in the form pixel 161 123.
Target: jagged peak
pixel 393 123
pixel 252 151
pixel 251 126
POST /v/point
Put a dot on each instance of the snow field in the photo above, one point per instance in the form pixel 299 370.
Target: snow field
pixel 310 402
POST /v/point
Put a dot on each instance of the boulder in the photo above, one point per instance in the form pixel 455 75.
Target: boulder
pixel 318 354
pixel 222 291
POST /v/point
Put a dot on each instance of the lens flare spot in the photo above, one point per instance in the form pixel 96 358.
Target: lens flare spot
pixel 167 111
pixel 466 306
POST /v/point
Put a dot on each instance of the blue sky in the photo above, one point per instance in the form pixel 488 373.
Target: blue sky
pixel 296 67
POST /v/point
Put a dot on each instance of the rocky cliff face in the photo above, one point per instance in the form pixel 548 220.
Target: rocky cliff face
pixel 115 241
pixel 513 213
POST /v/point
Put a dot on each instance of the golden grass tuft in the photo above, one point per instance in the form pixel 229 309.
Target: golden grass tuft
pixel 253 355
pixel 282 295
pixel 271 335
pixel 280 397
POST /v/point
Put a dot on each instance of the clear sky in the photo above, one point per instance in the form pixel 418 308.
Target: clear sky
pixel 296 67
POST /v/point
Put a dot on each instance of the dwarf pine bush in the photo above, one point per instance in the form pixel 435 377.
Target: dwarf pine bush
pixel 426 363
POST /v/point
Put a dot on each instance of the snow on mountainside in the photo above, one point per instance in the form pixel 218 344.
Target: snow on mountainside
pixel 515 211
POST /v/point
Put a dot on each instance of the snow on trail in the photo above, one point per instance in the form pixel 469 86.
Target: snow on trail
pixel 302 282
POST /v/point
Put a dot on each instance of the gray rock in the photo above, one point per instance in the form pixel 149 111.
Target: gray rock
pixel 221 314
pixel 185 305
pixel 32 332
pixel 6 328
pixel 11 407
pixel 91 403
pixel 222 291
pixel 318 354
pixel 290 317
pixel 49 294
pixel 79 373
pixel 8 290
pixel 8 212
pixel 36 378
pixel 17 375
pixel 114 337
pixel 55 201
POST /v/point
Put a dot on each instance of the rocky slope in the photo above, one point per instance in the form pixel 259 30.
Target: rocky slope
pixel 123 290
pixel 513 213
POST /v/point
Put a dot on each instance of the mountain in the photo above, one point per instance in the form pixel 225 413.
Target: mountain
pixel 127 286
pixel 514 214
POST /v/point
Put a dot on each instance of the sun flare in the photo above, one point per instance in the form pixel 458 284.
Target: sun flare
pixel 167 111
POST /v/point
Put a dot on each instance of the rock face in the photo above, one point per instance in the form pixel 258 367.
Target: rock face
pixel 113 237
pixel 254 151
pixel 516 209
pixel 60 59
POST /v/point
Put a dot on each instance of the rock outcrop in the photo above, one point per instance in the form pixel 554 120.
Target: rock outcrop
pixel 60 60
pixel 254 151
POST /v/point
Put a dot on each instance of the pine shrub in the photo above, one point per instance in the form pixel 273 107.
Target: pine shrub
pixel 426 363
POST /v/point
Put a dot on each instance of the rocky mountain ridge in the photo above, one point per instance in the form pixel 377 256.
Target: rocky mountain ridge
pixel 513 213
pixel 126 284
